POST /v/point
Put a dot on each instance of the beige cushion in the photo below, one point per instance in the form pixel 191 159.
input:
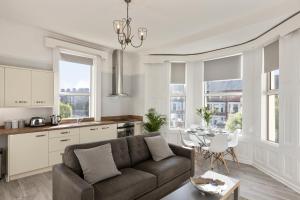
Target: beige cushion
pixel 158 147
pixel 97 163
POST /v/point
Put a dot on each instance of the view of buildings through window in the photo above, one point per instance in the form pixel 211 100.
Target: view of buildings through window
pixel 75 89
pixel 273 106
pixel 177 105
pixel 225 98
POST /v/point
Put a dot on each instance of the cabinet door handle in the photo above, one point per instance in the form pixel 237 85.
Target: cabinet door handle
pixel 40 135
pixel 93 129
pixel 65 132
pixel 65 140
pixel 107 127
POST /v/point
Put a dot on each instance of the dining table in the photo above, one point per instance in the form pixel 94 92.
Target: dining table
pixel 203 136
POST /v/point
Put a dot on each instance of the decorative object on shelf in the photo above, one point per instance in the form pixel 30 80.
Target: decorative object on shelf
pixel 123 30
pixel 206 114
pixel 154 121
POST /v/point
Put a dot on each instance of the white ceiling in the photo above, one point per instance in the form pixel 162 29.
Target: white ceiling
pixel 174 26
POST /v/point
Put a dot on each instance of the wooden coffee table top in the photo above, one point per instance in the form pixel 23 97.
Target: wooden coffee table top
pixel 189 191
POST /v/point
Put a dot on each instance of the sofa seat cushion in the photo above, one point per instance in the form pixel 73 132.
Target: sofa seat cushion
pixel 130 185
pixel 166 169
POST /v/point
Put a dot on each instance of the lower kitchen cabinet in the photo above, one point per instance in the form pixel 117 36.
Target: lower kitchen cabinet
pixel 58 141
pixel 98 133
pixel 32 153
pixel 27 152
pixel 1 86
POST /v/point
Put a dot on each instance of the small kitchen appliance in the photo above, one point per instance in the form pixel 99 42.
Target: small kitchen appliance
pixel 37 121
pixel 55 119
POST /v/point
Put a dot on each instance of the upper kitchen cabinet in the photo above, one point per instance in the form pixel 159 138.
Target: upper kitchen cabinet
pixel 42 88
pixel 17 87
pixel 1 86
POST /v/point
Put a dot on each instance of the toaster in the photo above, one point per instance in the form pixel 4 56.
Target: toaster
pixel 37 121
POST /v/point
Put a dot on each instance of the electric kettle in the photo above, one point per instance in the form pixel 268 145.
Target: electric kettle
pixel 55 119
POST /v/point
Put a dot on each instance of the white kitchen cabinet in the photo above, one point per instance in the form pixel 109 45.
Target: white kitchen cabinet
pixel 98 133
pixel 58 141
pixel 27 152
pixel 138 128
pixel 17 87
pixel 55 157
pixel 42 88
pixel 1 86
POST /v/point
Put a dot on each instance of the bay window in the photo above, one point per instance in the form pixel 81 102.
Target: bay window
pixel 223 91
pixel 271 68
pixel 177 96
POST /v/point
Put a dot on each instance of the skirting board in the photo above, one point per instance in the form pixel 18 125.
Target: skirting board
pixel 294 187
pixel 31 173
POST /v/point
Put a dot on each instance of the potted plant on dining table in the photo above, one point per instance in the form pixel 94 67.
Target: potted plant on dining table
pixel 206 115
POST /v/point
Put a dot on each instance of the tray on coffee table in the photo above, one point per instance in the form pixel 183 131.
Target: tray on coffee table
pixel 192 192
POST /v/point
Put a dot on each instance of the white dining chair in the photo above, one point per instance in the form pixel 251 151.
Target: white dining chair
pixel 186 140
pixel 217 148
pixel 232 144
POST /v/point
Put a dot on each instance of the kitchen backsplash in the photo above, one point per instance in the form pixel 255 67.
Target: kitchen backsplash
pixel 23 113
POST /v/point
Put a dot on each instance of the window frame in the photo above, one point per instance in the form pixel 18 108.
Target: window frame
pixel 221 94
pixel 92 106
pixel 185 111
pixel 270 92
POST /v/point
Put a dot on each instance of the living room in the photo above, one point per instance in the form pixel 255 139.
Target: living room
pixel 144 99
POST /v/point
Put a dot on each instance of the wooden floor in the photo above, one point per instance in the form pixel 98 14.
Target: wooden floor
pixel 255 185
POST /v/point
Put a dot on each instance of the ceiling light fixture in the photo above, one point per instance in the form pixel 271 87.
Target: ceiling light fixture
pixel 123 30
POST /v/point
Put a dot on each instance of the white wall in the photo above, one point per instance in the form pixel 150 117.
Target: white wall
pixel 194 88
pixel 281 161
pixel 23 46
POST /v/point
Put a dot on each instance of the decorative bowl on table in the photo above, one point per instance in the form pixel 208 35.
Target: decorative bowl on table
pixel 208 185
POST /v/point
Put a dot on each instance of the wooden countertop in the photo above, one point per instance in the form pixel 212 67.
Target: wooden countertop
pixel 51 128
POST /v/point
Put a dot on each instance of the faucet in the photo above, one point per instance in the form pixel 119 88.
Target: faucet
pixel 79 120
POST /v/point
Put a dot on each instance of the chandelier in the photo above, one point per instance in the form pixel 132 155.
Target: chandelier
pixel 123 30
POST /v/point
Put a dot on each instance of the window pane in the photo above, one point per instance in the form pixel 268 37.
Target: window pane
pixel 223 86
pixel 274 79
pixel 74 106
pixel 177 112
pixel 177 90
pixel 228 109
pixel 273 118
pixel 74 77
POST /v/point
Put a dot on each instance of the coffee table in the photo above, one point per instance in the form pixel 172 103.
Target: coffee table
pixel 190 192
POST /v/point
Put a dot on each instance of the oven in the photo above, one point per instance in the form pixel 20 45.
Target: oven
pixel 125 129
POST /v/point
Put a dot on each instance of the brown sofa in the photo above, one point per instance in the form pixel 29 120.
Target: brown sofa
pixel 142 178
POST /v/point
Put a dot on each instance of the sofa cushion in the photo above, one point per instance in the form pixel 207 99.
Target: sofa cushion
pixel 158 147
pixel 119 149
pixel 130 185
pixel 166 169
pixel 97 163
pixel 138 148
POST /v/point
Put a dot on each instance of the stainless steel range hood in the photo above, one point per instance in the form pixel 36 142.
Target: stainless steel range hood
pixel 117 74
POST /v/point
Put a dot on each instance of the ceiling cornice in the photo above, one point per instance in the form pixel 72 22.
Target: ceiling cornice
pixel 235 45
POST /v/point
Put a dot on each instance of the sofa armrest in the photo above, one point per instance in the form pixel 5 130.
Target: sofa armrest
pixel 185 152
pixel 68 185
pixel 181 151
